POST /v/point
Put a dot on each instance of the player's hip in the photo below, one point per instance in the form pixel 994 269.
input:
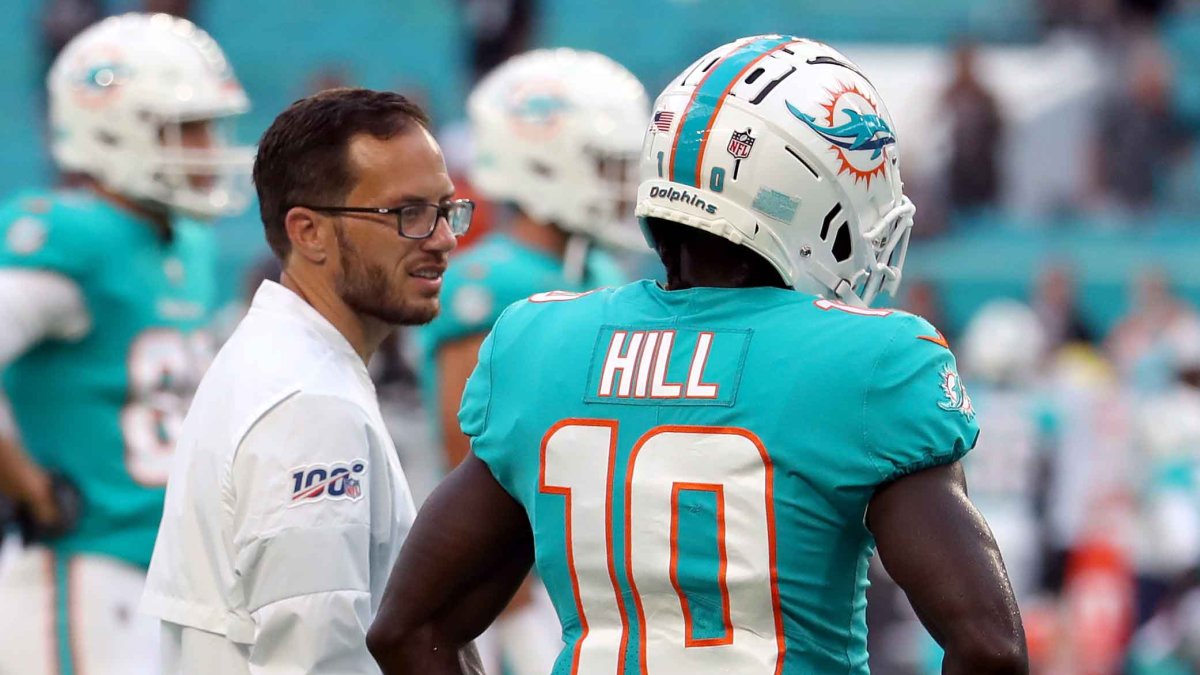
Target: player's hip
pixel 68 614
pixel 106 538
pixel 660 651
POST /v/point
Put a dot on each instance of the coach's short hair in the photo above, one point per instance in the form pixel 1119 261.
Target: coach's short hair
pixel 303 159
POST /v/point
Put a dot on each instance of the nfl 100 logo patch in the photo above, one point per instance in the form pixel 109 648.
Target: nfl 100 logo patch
pixel 740 144
pixel 318 482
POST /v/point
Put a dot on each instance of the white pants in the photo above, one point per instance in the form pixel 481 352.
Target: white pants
pixel 73 616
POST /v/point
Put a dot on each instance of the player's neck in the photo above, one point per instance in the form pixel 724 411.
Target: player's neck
pixel 364 333
pixel 546 238
pixel 160 218
pixel 702 272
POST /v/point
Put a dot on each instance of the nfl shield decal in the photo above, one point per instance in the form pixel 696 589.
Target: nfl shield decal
pixel 740 144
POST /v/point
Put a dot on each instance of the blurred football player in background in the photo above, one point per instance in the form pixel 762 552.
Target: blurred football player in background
pixel 1004 352
pixel 556 136
pixel 719 458
pixel 104 294
pixel 1004 356
pixel 1167 491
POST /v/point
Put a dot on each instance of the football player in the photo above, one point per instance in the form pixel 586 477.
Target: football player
pixel 1004 350
pixel 556 136
pixel 702 471
pixel 104 292
pixel 1004 354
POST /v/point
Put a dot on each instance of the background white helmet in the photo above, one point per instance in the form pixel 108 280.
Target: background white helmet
pixel 1004 344
pixel 119 93
pixel 557 132
pixel 781 145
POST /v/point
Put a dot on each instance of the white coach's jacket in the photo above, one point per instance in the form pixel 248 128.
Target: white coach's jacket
pixel 286 505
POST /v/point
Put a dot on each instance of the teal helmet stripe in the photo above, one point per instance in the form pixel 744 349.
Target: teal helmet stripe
pixel 691 136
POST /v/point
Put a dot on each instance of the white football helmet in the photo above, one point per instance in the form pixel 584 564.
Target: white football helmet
pixel 557 132
pixel 782 145
pixel 120 92
pixel 1004 343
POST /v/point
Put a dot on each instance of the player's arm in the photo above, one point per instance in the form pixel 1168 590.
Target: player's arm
pixel 35 305
pixel 918 423
pixel 466 555
pixel 455 361
pixel 303 559
pixel 937 547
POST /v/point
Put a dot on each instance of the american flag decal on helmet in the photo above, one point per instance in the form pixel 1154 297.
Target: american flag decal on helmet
pixel 663 120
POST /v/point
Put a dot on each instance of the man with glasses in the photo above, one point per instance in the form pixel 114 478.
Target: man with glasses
pixel 287 504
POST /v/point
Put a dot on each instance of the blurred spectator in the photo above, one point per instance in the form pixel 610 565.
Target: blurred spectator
pixel 1090 466
pixel 976 130
pixel 329 76
pixel 1054 301
pixel 1139 137
pixel 1003 356
pixel 498 29
pixel 1141 10
pixel 1077 14
pixel 180 8
pixel 1167 453
pixel 1170 643
pixel 1139 345
pixel 63 20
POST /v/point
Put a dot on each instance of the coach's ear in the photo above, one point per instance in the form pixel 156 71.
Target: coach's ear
pixel 310 233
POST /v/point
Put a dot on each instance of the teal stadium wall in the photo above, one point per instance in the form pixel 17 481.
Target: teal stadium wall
pixel 418 46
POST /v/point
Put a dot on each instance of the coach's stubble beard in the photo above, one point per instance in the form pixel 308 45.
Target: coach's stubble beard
pixel 367 289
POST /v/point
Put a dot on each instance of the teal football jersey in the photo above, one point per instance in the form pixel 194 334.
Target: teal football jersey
pixel 696 466
pixel 104 409
pixel 489 277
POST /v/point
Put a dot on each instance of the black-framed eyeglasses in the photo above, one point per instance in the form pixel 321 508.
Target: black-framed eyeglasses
pixel 416 220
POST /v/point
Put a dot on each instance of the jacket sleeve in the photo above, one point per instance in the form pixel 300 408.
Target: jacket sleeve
pixel 302 536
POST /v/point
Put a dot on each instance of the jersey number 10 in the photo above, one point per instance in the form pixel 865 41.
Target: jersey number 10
pixel 729 464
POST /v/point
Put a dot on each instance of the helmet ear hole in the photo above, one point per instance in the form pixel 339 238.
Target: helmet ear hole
pixel 842 246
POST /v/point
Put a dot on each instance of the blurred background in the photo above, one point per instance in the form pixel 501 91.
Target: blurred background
pixel 1051 149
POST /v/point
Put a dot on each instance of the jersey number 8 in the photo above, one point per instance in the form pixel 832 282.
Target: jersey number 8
pixel 164 368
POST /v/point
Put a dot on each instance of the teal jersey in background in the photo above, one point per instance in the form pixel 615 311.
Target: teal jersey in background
pixel 104 409
pixel 481 282
pixel 696 466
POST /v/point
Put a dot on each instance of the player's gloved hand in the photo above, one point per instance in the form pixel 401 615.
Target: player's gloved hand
pixel 52 512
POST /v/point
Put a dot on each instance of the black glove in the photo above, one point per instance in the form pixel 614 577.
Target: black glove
pixel 67 502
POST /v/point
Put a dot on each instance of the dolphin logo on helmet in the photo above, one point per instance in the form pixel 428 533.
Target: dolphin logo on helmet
pixel 862 132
